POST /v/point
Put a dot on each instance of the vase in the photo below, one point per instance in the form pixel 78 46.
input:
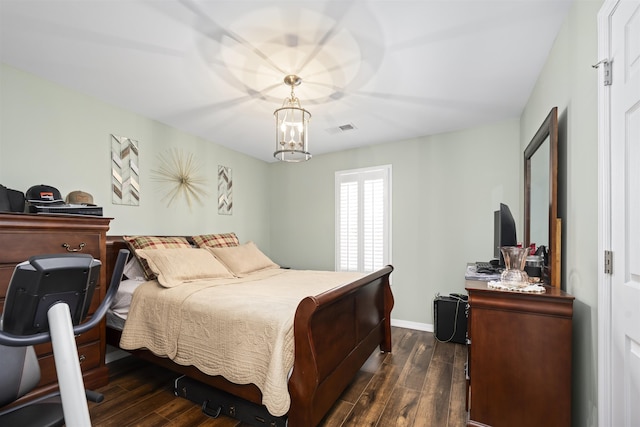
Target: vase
pixel 514 260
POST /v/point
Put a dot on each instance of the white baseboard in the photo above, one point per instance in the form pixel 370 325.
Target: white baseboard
pixel 427 327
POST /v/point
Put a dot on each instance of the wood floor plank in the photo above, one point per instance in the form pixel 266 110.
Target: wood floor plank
pixel 433 408
pixel 401 409
pixel 415 370
pixel 403 346
pixel 143 407
pixel 444 351
pixel 337 414
pixel 457 413
pixel 357 387
pixel 174 408
pixel 144 373
pixel 114 404
pixel 149 420
pixel 374 361
pixel 371 404
pixel 421 383
pixel 195 417
pixel 461 352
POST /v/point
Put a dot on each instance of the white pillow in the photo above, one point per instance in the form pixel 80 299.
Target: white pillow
pixel 177 266
pixel 122 300
pixel 133 270
pixel 243 259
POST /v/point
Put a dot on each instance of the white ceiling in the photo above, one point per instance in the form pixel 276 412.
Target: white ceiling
pixel 393 69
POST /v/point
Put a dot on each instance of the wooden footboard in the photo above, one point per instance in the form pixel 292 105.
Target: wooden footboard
pixel 335 332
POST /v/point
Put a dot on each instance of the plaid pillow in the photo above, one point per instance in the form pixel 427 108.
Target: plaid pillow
pixel 224 240
pixel 153 242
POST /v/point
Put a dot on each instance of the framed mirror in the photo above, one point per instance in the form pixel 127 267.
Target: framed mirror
pixel 542 226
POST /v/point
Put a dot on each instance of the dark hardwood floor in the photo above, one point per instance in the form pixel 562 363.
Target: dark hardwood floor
pixel 421 383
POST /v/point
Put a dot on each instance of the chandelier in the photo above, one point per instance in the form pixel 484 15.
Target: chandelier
pixel 292 126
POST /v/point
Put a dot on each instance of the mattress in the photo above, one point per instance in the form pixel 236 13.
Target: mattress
pixel 119 310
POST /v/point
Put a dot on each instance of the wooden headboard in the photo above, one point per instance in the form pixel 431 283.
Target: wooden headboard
pixel 114 244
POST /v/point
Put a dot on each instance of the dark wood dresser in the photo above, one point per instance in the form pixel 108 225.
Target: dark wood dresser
pixel 25 235
pixel 519 366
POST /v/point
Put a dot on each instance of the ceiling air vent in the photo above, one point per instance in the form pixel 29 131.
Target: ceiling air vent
pixel 341 128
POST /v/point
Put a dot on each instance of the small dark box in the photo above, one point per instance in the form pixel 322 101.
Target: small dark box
pixel 450 318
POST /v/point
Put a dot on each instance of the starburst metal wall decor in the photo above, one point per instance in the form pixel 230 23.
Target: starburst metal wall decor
pixel 178 172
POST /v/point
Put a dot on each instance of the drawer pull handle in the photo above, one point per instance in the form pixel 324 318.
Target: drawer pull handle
pixel 69 249
pixel 82 358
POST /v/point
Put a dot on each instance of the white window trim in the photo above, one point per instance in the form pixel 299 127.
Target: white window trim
pixel 386 170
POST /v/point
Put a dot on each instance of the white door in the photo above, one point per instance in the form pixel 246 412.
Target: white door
pixel 619 359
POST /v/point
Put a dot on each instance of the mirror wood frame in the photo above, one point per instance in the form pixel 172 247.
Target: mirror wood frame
pixel 547 131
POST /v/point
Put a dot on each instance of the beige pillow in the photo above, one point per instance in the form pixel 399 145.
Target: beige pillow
pixel 177 266
pixel 243 259
pixel 153 242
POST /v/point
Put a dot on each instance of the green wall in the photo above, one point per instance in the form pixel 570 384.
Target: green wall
pixel 444 190
pixel 55 136
pixel 569 82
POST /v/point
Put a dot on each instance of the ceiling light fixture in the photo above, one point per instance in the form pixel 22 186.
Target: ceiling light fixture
pixel 292 125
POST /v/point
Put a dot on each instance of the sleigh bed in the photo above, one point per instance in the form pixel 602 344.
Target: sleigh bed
pixel 334 332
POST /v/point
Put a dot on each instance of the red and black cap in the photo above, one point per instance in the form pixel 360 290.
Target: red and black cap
pixel 44 194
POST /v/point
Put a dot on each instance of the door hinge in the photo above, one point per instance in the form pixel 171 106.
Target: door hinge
pixel 608 262
pixel 606 68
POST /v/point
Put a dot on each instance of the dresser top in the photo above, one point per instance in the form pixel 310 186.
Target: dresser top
pixel 16 221
pixel 550 292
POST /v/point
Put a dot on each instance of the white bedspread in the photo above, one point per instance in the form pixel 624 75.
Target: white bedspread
pixel 241 329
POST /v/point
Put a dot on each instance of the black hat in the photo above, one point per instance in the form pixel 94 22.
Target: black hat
pixel 44 194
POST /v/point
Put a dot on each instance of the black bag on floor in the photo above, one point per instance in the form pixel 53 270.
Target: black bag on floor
pixel 215 402
pixel 450 318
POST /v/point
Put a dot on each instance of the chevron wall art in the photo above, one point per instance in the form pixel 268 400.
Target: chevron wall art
pixel 125 178
pixel 225 191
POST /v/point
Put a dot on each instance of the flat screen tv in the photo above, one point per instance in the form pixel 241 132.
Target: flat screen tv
pixel 504 231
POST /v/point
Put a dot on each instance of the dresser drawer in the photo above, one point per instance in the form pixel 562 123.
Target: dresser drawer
pixel 6 270
pixel 24 245
pixel 25 235
pixel 88 354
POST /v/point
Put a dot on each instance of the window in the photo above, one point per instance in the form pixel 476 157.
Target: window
pixel 363 218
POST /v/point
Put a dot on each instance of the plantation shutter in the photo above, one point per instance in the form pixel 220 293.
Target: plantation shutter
pixel 362 219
